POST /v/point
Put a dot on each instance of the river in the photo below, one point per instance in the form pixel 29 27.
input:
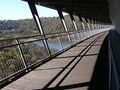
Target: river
pixel 53 45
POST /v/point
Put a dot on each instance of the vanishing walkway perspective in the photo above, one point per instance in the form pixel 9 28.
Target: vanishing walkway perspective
pixel 79 68
pixel 87 57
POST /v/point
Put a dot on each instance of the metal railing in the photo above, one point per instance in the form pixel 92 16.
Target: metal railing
pixel 19 54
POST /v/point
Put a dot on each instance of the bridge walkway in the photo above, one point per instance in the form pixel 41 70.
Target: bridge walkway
pixel 72 69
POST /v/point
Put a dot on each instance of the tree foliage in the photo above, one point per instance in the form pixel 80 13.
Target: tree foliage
pixel 25 27
pixel 11 60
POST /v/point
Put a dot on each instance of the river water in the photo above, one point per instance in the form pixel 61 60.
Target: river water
pixel 53 45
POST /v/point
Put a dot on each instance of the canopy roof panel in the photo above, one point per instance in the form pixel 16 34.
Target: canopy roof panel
pixel 94 9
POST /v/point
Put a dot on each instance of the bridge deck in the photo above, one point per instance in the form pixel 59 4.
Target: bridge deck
pixel 70 70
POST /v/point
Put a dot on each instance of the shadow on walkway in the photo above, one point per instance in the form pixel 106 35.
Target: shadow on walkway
pixel 99 80
pixel 100 77
pixel 73 86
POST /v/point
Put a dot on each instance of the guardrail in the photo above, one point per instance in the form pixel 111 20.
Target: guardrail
pixel 18 55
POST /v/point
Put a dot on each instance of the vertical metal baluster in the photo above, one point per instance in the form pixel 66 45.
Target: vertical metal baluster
pixel 17 65
pixel 92 24
pixel 58 37
pixel 83 26
pixel 98 24
pixel 82 23
pixel 74 37
pixel 101 24
pixel 95 24
pixel 21 53
pixel 95 27
pixel 88 25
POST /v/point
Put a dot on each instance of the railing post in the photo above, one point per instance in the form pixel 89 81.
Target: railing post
pixel 60 42
pixel 74 24
pixel 92 24
pixel 82 23
pixel 88 25
pixel 98 24
pixel 39 25
pixel 21 53
pixel 102 25
pixel 64 24
pixel 95 24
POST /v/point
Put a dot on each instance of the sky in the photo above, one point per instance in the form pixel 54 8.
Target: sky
pixel 18 9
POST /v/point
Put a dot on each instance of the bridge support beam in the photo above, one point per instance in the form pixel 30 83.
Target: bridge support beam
pixel 39 25
pixel 87 23
pixel 64 24
pixel 95 24
pixel 92 24
pixel 75 25
pixel 21 54
pixel 83 25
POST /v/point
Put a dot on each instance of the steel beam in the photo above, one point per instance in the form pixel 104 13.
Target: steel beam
pixel 58 37
pixel 87 23
pixel 95 24
pixel 39 25
pixel 64 24
pixel 74 24
pixel 21 54
pixel 92 23
pixel 82 23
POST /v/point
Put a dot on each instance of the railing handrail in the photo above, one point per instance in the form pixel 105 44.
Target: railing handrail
pixel 41 35
pixel 56 35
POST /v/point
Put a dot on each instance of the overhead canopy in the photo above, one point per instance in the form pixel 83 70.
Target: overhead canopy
pixel 94 9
